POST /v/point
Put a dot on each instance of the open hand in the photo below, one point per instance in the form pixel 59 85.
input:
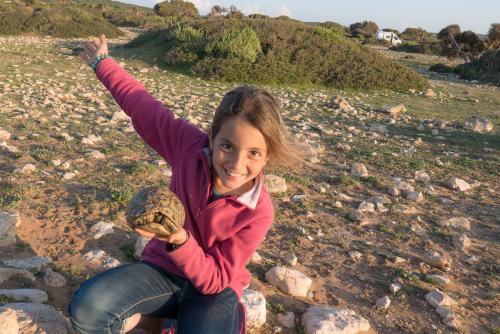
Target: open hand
pixel 94 48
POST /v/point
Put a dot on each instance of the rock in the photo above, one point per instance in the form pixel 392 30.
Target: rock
pixel 4 135
pixel 478 124
pixel 275 184
pixel 91 140
pixel 395 287
pixel 383 303
pixel 35 262
pixel 415 196
pixel 8 223
pixel 343 147
pixel 53 279
pixel 332 320
pixel 458 223
pixel 393 110
pixel 461 241
pixel 366 207
pixel 8 321
pixel 286 320
pixel 437 260
pixel 33 318
pixel 445 312
pixel 453 323
pixel 393 191
pixel 337 204
pixel 100 258
pixel 341 103
pixel 25 295
pixel 401 209
pixel 255 307
pixel 355 255
pixel 356 215
pixel 381 199
pixel 289 281
pixel 119 116
pixel 100 229
pixel 457 184
pixel 358 169
pixel 438 279
pixel 26 169
pixel 399 260
pixel 437 298
pixel 291 260
pixel 6 273
pixel 430 93
pixel 96 155
pixel 422 176
pixel 139 245
pixel 381 208
pixel 403 186
pixel 69 175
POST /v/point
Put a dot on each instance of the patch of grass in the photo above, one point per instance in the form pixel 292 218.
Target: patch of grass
pixel 22 246
pixel 405 274
pixel 276 307
pixel 6 299
pixel 138 168
pixel 299 179
pixel 10 194
pixel 128 251
pixel 344 181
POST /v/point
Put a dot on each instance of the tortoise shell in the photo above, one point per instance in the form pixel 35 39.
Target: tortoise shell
pixel 156 209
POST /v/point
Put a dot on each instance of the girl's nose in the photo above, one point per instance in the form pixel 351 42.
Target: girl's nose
pixel 238 161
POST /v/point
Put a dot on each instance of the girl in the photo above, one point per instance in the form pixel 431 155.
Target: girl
pixel 196 275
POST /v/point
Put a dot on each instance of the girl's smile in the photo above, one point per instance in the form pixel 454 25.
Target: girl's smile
pixel 239 154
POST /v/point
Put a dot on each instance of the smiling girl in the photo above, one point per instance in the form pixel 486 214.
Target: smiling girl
pixel 196 275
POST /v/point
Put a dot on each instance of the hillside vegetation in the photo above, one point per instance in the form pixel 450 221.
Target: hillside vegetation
pixel 276 51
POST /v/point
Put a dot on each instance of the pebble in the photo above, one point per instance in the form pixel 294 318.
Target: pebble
pixel 383 303
pixel 395 287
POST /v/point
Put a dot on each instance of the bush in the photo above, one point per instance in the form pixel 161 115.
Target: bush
pixel 241 43
pixel 330 35
pixel 176 8
pixel 486 68
pixel 441 68
pixel 187 34
pixel 12 18
pixel 282 52
pixel 416 47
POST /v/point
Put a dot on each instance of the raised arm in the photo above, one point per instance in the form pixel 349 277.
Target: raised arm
pixel 167 135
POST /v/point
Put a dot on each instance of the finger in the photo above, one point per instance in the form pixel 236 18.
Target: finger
pixel 103 39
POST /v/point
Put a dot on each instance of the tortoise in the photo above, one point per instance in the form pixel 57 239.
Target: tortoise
pixel 156 209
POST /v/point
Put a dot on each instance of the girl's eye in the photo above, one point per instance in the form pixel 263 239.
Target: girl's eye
pixel 255 154
pixel 226 147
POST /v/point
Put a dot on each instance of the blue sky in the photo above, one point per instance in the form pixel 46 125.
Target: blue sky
pixel 432 15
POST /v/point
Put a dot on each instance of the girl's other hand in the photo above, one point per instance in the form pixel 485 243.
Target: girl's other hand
pixel 94 48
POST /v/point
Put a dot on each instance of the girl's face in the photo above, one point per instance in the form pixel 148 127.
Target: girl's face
pixel 239 154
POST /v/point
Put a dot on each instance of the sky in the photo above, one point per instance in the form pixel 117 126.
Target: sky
pixel 431 15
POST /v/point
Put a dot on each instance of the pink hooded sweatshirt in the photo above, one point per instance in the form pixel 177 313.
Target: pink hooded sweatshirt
pixel 223 233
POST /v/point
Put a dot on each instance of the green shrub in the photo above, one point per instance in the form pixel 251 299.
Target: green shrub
pixel 187 34
pixel 240 43
pixel 12 18
pixel 180 56
pixel 328 34
pixel 282 52
pixel 176 8
pixel 441 68
pixel 486 68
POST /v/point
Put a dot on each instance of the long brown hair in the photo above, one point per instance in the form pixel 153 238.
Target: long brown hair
pixel 259 108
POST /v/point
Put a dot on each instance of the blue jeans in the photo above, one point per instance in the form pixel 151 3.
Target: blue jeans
pixel 102 303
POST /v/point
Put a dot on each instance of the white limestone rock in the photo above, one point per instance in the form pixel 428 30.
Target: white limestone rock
pixel 332 320
pixel 100 229
pixel 286 320
pixel 383 303
pixel 291 260
pixel 289 281
pixel 275 184
pixel 458 184
pixel 139 245
pixel 438 260
pixel 8 223
pixel 479 124
pixel 358 169
pixel 458 222
pixel 6 273
pixel 53 279
pixel 8 321
pixel 25 295
pixel 100 258
pixel 35 262
pixel 438 279
pixel 255 306
pixel 33 318
pixel 437 298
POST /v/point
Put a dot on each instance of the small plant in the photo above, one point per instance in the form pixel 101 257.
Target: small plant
pixel 242 43
pixel 276 307
pixel 22 246
pixel 405 274
pixel 6 299
pixel 128 251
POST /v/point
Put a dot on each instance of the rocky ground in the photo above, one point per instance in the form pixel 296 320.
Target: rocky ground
pixel 395 216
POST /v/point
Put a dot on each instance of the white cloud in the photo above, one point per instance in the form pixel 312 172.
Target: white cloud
pixel 280 9
pixel 203 6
